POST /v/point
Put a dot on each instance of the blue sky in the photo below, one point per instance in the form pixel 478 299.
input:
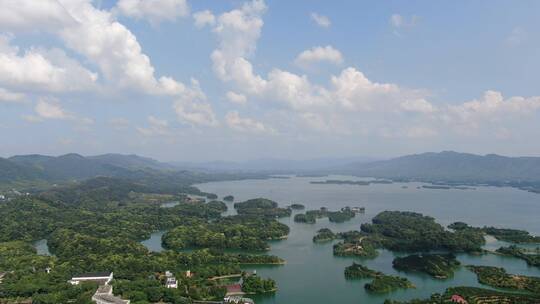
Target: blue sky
pixel 205 80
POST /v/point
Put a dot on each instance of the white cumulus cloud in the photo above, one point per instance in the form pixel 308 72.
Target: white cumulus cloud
pixel 204 18
pixel 40 69
pixel 236 98
pixel 234 121
pixel 154 11
pixel 319 54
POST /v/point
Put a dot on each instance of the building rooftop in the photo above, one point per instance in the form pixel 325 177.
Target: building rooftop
pixel 104 289
pixel 93 275
pixel 111 299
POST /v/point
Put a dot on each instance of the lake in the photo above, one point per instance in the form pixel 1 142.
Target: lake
pixel 313 275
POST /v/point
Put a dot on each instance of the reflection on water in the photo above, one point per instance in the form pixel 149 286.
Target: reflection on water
pixel 154 242
pixel 170 204
pixel 313 275
pixel 41 247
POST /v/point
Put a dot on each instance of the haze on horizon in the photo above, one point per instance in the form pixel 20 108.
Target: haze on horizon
pixel 183 80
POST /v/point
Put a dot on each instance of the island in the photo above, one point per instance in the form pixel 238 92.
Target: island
pixel 411 231
pixel 305 218
pixel 261 207
pixel 341 216
pixel 381 282
pixel 388 283
pixel 228 198
pixel 324 235
pixel 359 271
pixel 499 278
pixel 502 234
pixel 439 266
pixel 297 206
pixel 341 182
pixel 311 216
pixel 359 248
pixel 531 257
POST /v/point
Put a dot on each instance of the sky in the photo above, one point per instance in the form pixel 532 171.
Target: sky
pixel 186 80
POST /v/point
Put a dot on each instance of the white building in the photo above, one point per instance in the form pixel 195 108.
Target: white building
pixel 171 283
pixel 102 278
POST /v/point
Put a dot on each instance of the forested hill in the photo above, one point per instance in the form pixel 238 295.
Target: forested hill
pixel 452 166
pixel 72 166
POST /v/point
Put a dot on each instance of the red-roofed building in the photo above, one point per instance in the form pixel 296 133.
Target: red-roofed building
pixel 234 289
pixel 458 299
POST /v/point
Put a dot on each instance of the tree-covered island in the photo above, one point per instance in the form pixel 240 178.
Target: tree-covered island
pixel 499 278
pixel 261 207
pixel 502 234
pixel 311 216
pixel 381 283
pixel 440 266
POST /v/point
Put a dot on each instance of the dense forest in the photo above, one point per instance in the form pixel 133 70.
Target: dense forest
pixel 97 225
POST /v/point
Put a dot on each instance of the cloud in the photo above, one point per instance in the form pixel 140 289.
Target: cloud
pixel 401 23
pixel 321 20
pixel 238 32
pixel 352 90
pixel 9 96
pixel 492 106
pixel 195 114
pixel 398 21
pixel 50 109
pixel 319 54
pixel 30 15
pixel 93 33
pixel 234 121
pixel 156 127
pixel 119 123
pixel 42 70
pixel 418 105
pixel 204 18
pixel 236 98
pixel 516 37
pixel 154 11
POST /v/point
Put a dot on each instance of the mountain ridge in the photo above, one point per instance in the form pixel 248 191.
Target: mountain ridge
pixel 452 166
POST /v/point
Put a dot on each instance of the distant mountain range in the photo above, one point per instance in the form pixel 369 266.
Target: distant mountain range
pixel 445 166
pixel 452 166
pixel 73 166
pixel 275 165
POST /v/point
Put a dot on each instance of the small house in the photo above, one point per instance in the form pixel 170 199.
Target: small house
pixel 171 281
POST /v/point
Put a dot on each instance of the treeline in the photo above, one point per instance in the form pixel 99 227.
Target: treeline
pixel 234 232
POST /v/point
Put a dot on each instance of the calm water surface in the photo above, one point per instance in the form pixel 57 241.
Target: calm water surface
pixel 313 275
pixel 42 247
